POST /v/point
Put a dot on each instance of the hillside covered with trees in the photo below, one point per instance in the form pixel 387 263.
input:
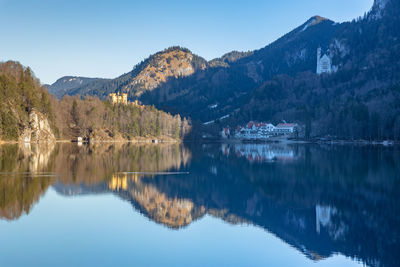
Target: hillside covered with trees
pixel 100 120
pixel 359 100
pixel 25 104
pixel 20 94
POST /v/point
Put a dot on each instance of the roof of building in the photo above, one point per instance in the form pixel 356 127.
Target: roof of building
pixel 286 125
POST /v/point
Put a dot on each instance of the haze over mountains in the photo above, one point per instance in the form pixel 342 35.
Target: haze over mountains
pixel 278 82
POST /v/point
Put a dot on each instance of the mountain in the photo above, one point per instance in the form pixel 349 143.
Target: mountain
pixel 229 58
pixel 358 100
pixel 178 81
pixel 174 62
pixel 28 113
pixel 66 84
pixel 215 92
pixel 279 82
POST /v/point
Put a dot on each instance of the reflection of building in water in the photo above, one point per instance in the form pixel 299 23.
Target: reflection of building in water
pixel 118 182
pixel 260 152
pixel 322 216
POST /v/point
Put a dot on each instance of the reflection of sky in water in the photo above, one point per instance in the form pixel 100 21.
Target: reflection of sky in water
pixel 102 230
pixel 299 205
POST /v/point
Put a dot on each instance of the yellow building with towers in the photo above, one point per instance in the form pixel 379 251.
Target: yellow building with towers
pixel 117 98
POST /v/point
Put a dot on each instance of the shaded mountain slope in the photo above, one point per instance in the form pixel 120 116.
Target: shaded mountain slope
pixel 172 62
pixel 67 84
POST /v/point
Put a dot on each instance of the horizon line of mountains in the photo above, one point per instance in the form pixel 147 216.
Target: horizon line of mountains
pixel 277 82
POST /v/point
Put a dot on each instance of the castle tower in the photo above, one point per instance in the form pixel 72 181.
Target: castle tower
pixel 117 98
pixel 318 60
pixel 324 63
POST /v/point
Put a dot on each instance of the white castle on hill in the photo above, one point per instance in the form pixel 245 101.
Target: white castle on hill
pixel 324 62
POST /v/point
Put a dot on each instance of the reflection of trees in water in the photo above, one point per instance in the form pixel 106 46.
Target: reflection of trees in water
pixel 24 177
pixel 329 199
pixel 172 212
pixel 73 164
pixel 93 164
pixel 324 202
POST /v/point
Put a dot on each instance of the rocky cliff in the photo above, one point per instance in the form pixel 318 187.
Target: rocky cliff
pixel 38 129
pixel 26 112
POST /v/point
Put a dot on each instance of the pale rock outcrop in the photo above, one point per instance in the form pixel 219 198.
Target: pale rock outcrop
pixel 38 129
pixel 38 155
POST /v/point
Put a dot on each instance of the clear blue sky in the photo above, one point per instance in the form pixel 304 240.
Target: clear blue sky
pixel 107 38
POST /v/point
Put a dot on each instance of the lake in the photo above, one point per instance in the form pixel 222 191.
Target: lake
pixel 199 205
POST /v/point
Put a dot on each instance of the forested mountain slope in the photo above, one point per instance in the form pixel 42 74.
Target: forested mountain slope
pixel 361 100
pixel 174 62
pixel 279 81
pixel 28 113
pixel 67 84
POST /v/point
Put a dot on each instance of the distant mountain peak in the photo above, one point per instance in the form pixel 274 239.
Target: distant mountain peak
pixel 313 21
pixel 317 19
pixel 173 62
pixel 67 83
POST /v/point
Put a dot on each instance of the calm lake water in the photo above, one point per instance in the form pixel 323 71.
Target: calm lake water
pixel 199 205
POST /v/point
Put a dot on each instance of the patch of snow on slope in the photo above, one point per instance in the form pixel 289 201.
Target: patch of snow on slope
pixel 308 25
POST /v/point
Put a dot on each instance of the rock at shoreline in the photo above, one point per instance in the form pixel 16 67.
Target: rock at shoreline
pixel 38 129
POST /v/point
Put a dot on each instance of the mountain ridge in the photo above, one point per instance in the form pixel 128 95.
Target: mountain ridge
pixel 227 86
pixel 67 83
pixel 174 62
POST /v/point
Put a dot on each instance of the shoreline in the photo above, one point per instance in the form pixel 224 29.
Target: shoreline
pixel 155 141
pixel 302 141
pixel 135 141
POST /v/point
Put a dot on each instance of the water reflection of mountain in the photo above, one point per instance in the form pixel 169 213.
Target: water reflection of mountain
pixel 328 200
pixel 324 202
pixel 145 198
pixel 332 199
pixel 27 171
